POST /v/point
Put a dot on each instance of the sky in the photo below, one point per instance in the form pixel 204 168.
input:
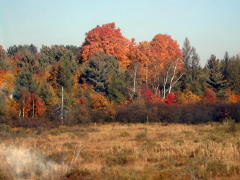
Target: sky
pixel 212 26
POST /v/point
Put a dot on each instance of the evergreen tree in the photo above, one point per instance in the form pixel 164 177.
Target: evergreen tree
pixel 102 71
pixel 216 79
pixel 226 66
pixel 22 49
pixel 233 73
pixel 4 65
pixel 67 68
pixel 26 82
pixel 194 78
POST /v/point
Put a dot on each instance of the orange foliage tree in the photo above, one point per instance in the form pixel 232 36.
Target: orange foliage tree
pixel 160 63
pixel 165 48
pixel 167 63
pixel 140 55
pixel 232 97
pixel 7 80
pixel 31 105
pixel 108 39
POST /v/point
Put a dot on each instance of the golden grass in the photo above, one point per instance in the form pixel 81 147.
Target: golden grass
pixel 126 151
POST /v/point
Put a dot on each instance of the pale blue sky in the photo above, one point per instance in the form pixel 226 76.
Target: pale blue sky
pixel 211 25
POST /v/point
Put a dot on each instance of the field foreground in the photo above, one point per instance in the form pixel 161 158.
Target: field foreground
pixel 121 151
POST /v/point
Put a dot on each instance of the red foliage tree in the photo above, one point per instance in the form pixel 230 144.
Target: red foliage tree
pixel 171 99
pixel 150 96
pixel 210 96
pixel 108 39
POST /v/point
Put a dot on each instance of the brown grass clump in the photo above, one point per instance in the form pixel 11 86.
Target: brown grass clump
pixel 121 151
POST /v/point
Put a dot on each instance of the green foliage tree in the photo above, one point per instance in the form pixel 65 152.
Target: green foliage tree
pixel 216 79
pixel 25 81
pixel 22 49
pixel 194 77
pixel 102 71
pixel 4 65
pixel 53 54
pixel 230 68
pixel 67 69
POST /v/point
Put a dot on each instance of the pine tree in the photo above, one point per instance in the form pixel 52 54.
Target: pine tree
pixel 102 71
pixel 193 79
pixel 216 79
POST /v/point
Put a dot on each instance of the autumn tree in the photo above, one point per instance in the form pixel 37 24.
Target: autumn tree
pixel 107 39
pixel 188 97
pixel 31 105
pixel 232 97
pixel 167 64
pixel 209 96
pixel 170 99
pixel 101 107
pixel 165 48
pixel 7 82
pixel 158 62
pixel 140 55
pixel 149 96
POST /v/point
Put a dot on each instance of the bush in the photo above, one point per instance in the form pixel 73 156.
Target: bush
pixel 192 113
pixel 132 113
pixel 100 116
pixel 35 122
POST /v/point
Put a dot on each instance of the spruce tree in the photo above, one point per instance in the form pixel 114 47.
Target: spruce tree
pixel 216 79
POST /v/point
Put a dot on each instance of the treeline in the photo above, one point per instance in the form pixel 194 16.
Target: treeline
pixel 112 78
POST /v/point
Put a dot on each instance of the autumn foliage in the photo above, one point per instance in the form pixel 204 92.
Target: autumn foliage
pixel 148 95
pixel 165 48
pixel 100 103
pixel 171 99
pixel 232 97
pixel 108 39
pixel 209 96
pixel 151 80
pixel 7 80
pixel 31 105
pixel 187 97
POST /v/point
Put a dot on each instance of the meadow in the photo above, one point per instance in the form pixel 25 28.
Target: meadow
pixel 114 151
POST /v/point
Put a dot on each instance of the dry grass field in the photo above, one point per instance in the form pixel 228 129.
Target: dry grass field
pixel 121 152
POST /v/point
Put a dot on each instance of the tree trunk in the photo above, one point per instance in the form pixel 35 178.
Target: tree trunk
pixel 33 107
pixel 62 106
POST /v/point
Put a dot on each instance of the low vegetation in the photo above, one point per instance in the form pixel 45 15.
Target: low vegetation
pixel 121 151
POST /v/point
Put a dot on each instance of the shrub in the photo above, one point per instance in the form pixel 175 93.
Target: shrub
pixel 132 113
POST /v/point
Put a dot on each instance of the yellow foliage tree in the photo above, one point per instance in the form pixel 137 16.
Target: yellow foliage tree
pixel 187 97
pixel 100 103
